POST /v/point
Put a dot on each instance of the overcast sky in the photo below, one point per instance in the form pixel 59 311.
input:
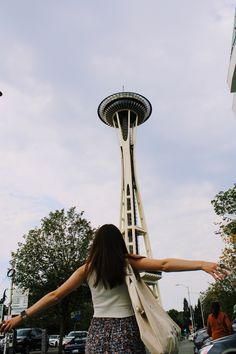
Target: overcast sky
pixel 59 60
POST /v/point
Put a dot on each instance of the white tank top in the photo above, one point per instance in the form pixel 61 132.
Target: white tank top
pixel 108 302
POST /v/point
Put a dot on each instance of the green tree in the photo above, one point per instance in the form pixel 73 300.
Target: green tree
pixel 219 292
pixel 198 315
pixel 47 257
pixel 224 205
pixel 176 316
pixel 186 316
pixel 224 291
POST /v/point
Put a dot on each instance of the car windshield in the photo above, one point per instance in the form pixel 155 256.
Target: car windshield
pixel 80 340
pixel 52 336
pixel 22 332
pixel 77 334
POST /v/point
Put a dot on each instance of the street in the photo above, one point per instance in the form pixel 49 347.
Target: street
pixel 186 347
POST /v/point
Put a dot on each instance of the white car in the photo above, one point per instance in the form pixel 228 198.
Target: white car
pixel 191 337
pixel 54 340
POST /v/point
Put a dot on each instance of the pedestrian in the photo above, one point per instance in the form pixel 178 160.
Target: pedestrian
pixel 218 323
pixel 113 328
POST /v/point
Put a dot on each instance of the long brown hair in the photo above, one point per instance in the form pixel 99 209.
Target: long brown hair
pixel 215 308
pixel 107 256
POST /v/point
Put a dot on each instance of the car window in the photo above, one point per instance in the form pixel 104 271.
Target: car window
pixel 70 334
pixel 33 333
pixel 81 334
pixel 22 332
pixel 79 340
pixel 77 334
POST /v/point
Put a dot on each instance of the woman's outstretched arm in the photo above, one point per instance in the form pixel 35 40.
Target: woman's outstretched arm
pixel 48 300
pixel 178 265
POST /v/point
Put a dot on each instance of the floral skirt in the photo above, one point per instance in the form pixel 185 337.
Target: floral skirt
pixel 114 336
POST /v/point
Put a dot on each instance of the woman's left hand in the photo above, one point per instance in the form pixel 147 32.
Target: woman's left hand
pixel 218 271
pixel 6 326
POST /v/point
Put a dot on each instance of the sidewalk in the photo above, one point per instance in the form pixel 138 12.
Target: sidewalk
pixel 186 347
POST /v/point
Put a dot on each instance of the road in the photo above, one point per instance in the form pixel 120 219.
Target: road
pixel 186 347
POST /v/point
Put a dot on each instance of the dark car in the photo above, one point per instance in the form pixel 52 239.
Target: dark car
pixel 234 326
pixel 74 334
pixel 224 345
pixel 199 339
pixel 76 345
pixel 1 343
pixel 28 339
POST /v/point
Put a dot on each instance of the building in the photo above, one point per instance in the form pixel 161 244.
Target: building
pixel 232 67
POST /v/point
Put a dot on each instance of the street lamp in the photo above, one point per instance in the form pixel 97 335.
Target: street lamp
pixel 190 306
pixel 200 301
pixel 10 274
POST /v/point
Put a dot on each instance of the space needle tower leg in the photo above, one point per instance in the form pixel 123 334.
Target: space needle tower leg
pixel 125 111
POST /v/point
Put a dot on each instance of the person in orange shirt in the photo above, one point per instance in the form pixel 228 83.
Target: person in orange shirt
pixel 218 323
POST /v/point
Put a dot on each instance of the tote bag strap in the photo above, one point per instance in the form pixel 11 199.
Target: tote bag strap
pixel 131 278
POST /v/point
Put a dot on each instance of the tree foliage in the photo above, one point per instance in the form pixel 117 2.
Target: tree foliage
pixel 225 202
pixel 198 320
pixel 176 316
pixel 186 315
pixel 48 255
pixel 217 292
pixel 224 291
pixel 224 205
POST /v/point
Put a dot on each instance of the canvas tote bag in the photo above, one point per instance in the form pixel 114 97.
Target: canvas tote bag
pixel 159 333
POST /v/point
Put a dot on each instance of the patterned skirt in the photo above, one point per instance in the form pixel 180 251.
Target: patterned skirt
pixel 114 336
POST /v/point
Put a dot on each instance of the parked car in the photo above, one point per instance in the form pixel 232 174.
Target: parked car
pixel 81 334
pixel 54 340
pixel 76 345
pixel 199 339
pixel 234 326
pixel 191 336
pixel 73 334
pixel 222 345
pixel 28 339
pixel 1 343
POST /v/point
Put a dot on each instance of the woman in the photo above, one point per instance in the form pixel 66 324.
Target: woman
pixel 218 323
pixel 113 327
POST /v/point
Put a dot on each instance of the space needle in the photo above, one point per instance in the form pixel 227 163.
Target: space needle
pixel 125 111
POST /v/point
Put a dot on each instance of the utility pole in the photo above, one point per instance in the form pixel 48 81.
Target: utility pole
pixel 9 337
